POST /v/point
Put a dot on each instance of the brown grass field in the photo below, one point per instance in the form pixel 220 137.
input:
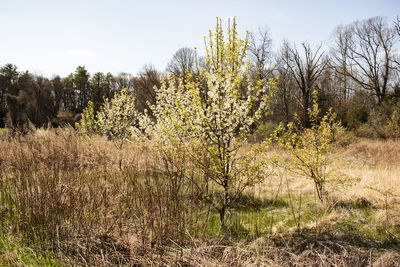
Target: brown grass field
pixel 65 201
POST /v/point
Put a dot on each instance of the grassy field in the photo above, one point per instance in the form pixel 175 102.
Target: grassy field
pixel 65 201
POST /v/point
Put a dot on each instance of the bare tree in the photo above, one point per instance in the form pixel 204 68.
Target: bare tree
pixel 41 92
pixel 34 102
pixel 123 80
pixel 397 56
pixel 260 52
pixel 340 59
pixel 305 69
pixel 144 84
pixel 20 108
pixel 364 53
pixel 183 61
pixel 284 98
pixel 397 25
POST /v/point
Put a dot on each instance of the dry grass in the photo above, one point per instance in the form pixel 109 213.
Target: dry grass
pixel 377 165
pixel 376 152
pixel 63 149
pixel 68 195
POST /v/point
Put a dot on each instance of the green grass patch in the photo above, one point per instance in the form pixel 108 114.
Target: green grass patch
pixel 15 252
pixel 368 234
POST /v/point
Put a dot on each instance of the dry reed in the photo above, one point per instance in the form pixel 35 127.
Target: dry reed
pixel 68 195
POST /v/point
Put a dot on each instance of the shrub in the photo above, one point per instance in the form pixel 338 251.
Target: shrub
pixel 310 150
pixel 384 121
pixel 356 116
pixel 87 124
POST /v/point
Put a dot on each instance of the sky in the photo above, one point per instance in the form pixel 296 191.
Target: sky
pixel 55 36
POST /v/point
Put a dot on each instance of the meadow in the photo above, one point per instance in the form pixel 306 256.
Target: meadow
pixel 66 201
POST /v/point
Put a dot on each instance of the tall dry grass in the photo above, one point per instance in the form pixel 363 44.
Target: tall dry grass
pixel 377 164
pixel 69 195
pixel 381 153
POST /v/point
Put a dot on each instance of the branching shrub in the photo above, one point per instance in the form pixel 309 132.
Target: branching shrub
pixel 310 150
pixel 87 124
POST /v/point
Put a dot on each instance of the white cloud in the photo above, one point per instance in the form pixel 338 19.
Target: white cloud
pixel 81 52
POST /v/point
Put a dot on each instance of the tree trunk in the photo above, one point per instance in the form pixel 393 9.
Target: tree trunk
pixel 224 207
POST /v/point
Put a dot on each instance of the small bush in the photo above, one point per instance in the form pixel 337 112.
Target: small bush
pixel 310 150
pixel 384 121
pixel 356 116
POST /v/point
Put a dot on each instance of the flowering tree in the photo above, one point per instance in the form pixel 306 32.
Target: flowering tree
pixel 209 115
pixel 311 150
pixel 118 119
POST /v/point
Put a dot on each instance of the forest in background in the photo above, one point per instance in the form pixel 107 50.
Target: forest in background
pixel 357 75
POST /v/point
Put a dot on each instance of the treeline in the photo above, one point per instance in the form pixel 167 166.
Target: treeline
pixel 57 101
pixel 358 75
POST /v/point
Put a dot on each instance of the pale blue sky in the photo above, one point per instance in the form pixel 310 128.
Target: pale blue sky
pixel 54 37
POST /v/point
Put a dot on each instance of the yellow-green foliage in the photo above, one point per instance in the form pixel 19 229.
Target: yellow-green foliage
pixel 310 150
pixel 87 125
pixel 209 114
